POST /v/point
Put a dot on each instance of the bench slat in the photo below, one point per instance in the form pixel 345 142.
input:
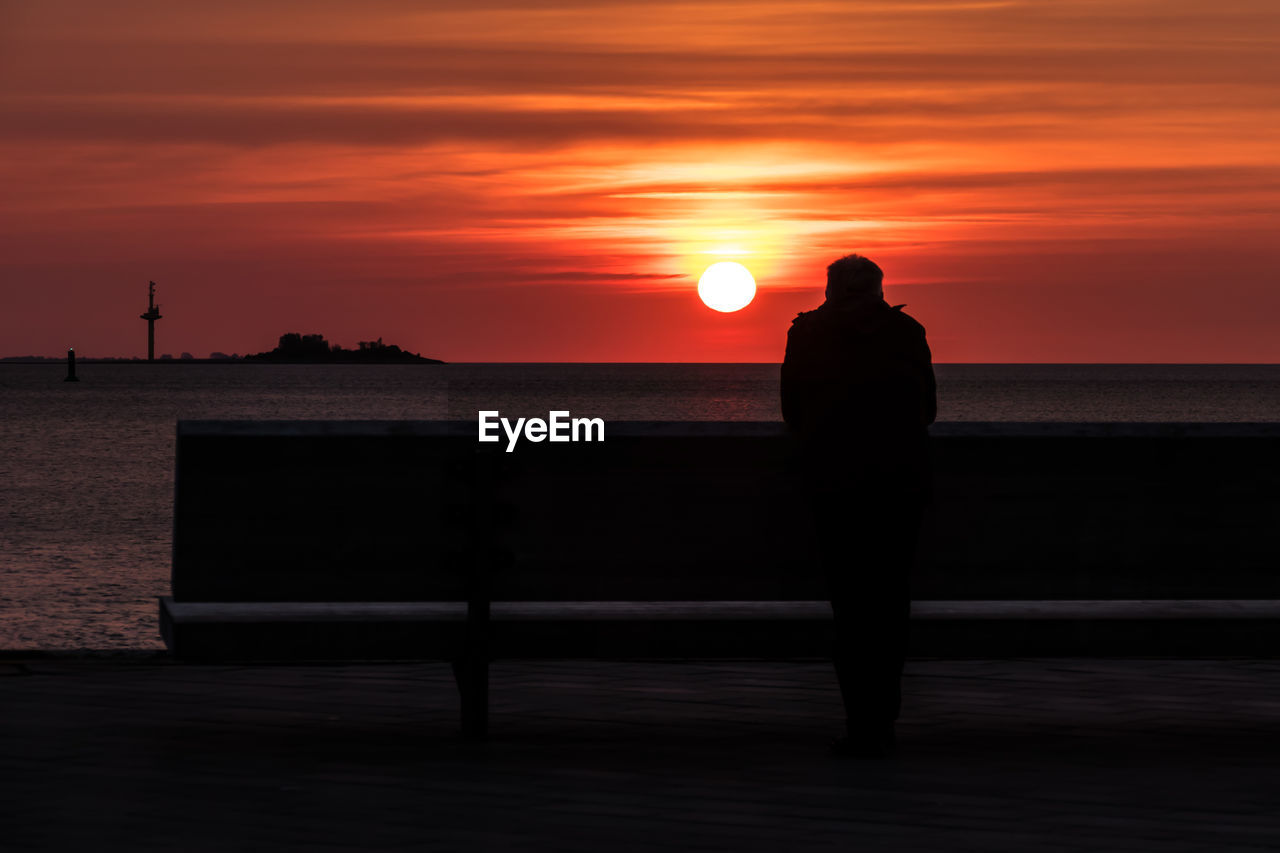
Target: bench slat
pixel 569 611
pixel 212 612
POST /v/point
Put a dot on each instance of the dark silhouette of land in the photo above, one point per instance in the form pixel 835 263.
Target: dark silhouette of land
pixel 295 348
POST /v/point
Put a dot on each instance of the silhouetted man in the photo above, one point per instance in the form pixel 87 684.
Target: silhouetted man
pixel 858 391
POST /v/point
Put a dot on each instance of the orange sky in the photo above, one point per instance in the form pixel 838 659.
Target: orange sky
pixel 1041 181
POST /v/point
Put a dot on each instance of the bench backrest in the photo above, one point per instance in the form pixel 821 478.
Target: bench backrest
pixel 319 511
pixel 392 511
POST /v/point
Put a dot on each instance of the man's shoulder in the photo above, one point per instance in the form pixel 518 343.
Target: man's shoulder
pixel 904 320
pixel 805 321
pixel 889 318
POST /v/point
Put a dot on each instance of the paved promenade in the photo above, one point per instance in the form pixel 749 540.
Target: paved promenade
pixel 1024 755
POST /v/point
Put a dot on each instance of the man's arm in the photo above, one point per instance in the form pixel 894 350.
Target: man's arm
pixel 928 383
pixel 790 397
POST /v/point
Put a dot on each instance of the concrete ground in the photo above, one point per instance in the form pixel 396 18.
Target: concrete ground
pixel 1026 755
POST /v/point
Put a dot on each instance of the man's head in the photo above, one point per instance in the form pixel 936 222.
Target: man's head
pixel 854 280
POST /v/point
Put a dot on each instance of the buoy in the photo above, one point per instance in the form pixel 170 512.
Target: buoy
pixel 71 366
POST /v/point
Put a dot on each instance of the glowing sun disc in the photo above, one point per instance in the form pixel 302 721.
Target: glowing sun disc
pixel 726 286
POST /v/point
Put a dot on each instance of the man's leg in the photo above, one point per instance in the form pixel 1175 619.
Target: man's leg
pixel 868 551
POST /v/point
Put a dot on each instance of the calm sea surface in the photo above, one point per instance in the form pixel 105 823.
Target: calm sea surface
pixel 86 469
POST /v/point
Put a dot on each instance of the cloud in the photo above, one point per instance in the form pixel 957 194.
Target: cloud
pixel 598 147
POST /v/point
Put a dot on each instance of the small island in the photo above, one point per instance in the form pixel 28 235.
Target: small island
pixel 295 348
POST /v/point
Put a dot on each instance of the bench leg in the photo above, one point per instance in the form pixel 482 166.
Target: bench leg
pixel 472 672
pixel 472 676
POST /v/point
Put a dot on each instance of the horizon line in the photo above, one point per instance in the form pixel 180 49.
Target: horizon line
pixel 61 360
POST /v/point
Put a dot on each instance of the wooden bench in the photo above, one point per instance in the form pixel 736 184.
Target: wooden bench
pixel 412 541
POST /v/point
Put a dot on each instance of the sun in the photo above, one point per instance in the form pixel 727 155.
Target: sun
pixel 727 286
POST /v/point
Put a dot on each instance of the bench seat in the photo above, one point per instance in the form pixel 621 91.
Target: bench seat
pixel 197 612
pixel 399 630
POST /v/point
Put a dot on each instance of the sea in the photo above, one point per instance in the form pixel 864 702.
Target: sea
pixel 86 468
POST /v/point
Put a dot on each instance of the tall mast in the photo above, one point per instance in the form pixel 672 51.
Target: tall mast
pixel 153 314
